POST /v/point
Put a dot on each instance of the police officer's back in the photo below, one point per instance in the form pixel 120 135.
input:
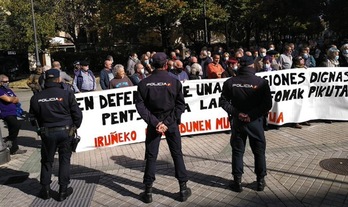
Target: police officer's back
pixel 57 113
pixel 247 92
pixel 160 102
pixel 247 98
pixel 163 98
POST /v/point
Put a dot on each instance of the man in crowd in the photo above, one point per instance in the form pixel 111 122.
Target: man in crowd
pixel 204 60
pixel 214 69
pixel 285 59
pixel 139 74
pixel 84 80
pixel 121 79
pixel 132 61
pixel 178 71
pixel 106 75
pixel 65 77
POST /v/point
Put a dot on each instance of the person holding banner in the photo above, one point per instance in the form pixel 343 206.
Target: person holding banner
pixel 139 74
pixel 106 75
pixel 343 59
pixel 160 103
pixel 84 80
pixel 58 115
pixel 214 69
pixel 247 98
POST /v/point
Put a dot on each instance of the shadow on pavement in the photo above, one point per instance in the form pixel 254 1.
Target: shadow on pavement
pixel 20 180
pixel 83 180
pixel 25 140
pixel 167 168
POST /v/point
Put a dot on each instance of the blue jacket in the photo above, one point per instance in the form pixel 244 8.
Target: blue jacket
pixel 105 79
pixel 246 93
pixel 55 107
pixel 79 80
pixel 160 99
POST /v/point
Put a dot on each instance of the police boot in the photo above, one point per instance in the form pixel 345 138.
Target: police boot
pixel 147 195
pixel 185 192
pixel 236 185
pixel 261 183
pixel 45 192
pixel 64 192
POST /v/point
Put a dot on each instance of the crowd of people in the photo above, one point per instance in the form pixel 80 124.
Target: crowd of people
pixel 210 63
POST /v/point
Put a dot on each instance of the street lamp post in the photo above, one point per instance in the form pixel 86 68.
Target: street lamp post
pixel 205 23
pixel 38 63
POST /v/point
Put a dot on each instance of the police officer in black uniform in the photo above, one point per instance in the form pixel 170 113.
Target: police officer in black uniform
pixel 246 98
pixel 160 102
pixel 57 115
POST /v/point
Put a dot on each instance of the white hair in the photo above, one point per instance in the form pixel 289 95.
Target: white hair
pixel 195 67
pixel 117 68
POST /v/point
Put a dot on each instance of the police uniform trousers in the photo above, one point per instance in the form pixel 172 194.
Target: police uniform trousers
pixel 53 139
pixel 255 132
pixel 152 142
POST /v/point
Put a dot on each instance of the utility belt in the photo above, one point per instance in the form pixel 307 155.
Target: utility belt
pixel 46 130
pixel 83 90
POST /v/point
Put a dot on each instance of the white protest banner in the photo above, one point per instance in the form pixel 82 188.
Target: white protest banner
pixel 307 94
pixel 110 117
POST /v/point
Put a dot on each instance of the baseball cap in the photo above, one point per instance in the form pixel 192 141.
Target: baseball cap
pixel 267 57
pixel 232 60
pixel 272 52
pixel 160 58
pixel 246 60
pixel 84 63
pixel 52 73
pixel 333 49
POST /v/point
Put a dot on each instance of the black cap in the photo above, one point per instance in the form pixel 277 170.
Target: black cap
pixel 52 73
pixel 246 60
pixel 272 52
pixel 84 63
pixel 159 59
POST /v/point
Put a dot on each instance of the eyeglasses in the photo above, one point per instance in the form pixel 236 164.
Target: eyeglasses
pixel 5 81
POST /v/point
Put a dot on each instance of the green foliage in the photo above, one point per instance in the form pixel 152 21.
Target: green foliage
pixel 107 24
pixel 81 16
pixel 5 38
pixel 19 24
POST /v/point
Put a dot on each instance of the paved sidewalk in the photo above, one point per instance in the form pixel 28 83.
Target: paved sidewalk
pixel 113 176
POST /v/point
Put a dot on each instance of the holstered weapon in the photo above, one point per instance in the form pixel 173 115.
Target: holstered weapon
pixel 33 121
pixel 75 138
